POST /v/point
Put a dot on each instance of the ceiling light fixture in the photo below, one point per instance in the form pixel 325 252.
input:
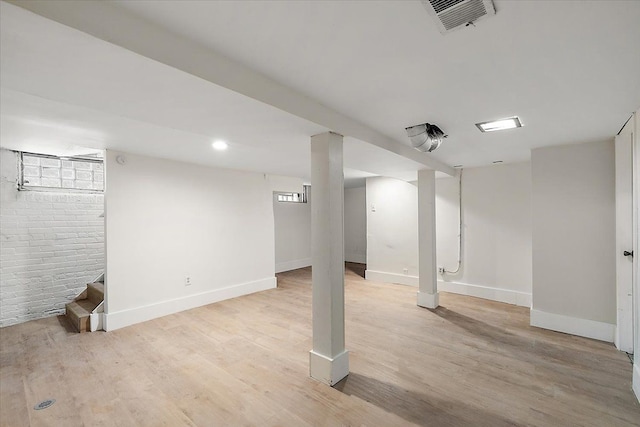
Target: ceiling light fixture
pixel 425 137
pixel 500 124
pixel 220 145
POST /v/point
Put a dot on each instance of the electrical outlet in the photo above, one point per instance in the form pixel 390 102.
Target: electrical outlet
pixel 373 207
pixel 405 271
pixel 441 270
pixel 187 281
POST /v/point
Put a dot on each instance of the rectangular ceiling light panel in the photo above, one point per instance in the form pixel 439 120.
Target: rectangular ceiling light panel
pixel 453 14
pixel 500 124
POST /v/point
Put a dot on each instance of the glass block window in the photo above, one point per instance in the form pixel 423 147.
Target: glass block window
pixel 39 171
pixel 288 197
pixel 294 197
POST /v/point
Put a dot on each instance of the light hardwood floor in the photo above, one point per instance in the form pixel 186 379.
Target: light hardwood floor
pixel 244 362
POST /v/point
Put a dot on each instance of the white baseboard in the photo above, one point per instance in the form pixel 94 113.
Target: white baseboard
pixel 354 257
pixel 120 319
pixel 381 276
pixel 494 294
pixel 636 380
pixel 573 325
pixel 292 265
pixel 96 322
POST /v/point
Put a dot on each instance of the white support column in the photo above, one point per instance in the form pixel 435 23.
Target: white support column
pixel 427 268
pixel 328 361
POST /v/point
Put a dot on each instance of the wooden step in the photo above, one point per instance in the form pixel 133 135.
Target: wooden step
pixel 78 311
pixel 78 314
pixel 95 292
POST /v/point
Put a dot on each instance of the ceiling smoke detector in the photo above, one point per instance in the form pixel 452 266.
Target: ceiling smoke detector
pixel 425 137
pixel 453 14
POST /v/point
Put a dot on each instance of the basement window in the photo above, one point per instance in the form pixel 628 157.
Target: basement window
pixel 46 172
pixel 293 197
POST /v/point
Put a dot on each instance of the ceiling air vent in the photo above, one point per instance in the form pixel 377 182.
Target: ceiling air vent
pixel 453 14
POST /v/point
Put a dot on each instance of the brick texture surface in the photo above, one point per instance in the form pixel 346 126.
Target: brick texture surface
pixel 51 246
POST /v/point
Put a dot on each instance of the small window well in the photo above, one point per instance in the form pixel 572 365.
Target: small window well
pixel 293 197
pixel 45 172
pixel 500 124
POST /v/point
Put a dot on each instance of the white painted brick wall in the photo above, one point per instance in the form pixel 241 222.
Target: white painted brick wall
pixel 51 246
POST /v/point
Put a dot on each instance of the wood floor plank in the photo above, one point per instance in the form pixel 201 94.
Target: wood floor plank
pixel 244 362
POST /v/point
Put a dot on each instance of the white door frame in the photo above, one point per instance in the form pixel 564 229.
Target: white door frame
pixel 624 237
pixel 636 275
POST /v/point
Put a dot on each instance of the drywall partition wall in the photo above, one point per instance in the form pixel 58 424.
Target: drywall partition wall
pixel 574 279
pixel 51 246
pixel 292 235
pixel 496 233
pixel 355 225
pixel 180 235
pixel 392 231
pixel 292 227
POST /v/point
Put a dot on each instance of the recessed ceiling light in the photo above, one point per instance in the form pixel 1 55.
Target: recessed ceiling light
pixel 500 124
pixel 220 145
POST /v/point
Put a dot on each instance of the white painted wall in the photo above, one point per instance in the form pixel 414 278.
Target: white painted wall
pixel 167 220
pixel 355 225
pixel 293 226
pixel 292 229
pixel 574 239
pixel 51 246
pixel 496 213
pixel 287 184
pixel 497 232
pixel 392 231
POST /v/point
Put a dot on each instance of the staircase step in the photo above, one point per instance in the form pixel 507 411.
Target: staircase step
pixel 78 314
pixel 95 292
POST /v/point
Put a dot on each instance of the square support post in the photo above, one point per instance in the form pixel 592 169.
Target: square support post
pixel 427 268
pixel 328 361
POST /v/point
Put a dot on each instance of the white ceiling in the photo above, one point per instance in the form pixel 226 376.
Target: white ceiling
pixel 568 69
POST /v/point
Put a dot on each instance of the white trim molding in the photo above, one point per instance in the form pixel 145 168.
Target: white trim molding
pixel 428 300
pixel 400 279
pixel 494 294
pixel 327 370
pixel 619 341
pixel 96 322
pixel 573 325
pixel 636 380
pixel 292 265
pixel 120 319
